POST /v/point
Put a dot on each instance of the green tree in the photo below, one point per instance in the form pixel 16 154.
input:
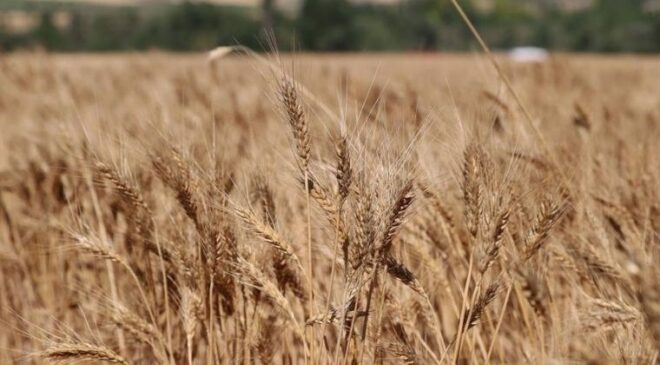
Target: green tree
pixel 46 34
pixel 326 25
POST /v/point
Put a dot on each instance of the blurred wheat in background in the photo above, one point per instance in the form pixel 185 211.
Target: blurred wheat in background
pixel 168 209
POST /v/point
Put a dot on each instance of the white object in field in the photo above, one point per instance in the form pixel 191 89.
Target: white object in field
pixel 220 52
pixel 528 54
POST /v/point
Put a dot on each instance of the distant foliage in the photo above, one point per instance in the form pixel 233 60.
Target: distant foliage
pixel 342 25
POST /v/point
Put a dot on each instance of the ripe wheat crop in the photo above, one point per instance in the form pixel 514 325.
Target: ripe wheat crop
pixel 357 209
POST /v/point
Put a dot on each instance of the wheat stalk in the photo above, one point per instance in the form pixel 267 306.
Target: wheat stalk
pixel 76 352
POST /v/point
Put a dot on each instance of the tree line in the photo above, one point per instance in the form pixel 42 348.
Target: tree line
pixel 340 25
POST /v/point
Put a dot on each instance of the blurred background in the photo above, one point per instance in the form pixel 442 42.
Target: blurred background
pixel 328 25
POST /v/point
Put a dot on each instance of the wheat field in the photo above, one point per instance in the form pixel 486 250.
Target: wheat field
pixel 329 209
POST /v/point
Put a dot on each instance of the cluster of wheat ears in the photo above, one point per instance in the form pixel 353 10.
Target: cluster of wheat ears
pixel 164 210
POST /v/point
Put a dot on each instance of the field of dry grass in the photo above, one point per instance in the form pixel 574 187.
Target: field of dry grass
pixel 388 209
